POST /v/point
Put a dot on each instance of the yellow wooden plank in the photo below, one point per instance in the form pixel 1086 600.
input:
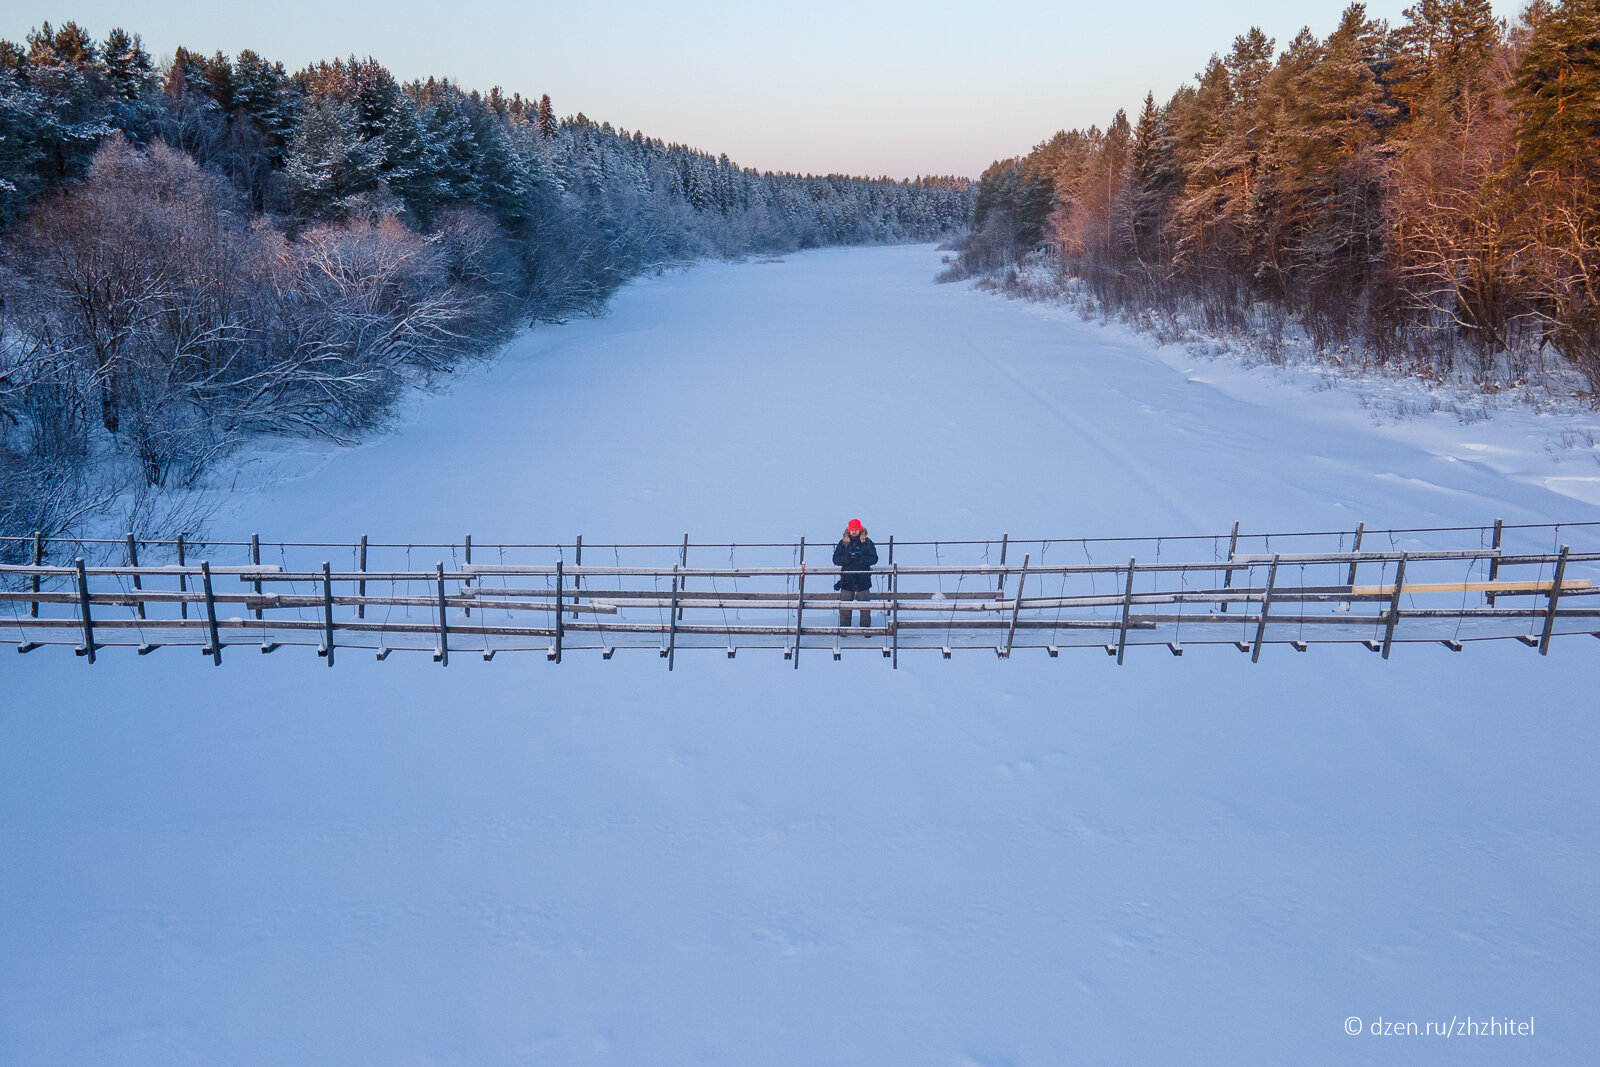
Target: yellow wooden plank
pixel 1501 587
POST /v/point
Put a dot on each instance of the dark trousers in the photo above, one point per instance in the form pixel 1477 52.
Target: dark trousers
pixel 855 594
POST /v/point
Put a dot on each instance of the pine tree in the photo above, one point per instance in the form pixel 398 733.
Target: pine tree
pixel 376 96
pixel 187 77
pixel 1099 193
pixel 1556 95
pixel 128 67
pixel 264 93
pixel 1151 178
pixel 1248 63
pixel 414 161
pixel 1446 51
pixel 547 117
pixel 24 118
pixel 55 117
pixel 447 126
pixel 219 85
pixel 329 162
pixel 1556 100
pixel 1323 198
pixel 70 45
pixel 1200 129
pixel 1333 106
pixel 502 180
pixel 1238 158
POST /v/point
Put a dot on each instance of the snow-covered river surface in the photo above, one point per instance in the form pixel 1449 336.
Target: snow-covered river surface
pixel 964 862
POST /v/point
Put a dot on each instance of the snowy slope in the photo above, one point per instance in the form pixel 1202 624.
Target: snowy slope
pixel 963 862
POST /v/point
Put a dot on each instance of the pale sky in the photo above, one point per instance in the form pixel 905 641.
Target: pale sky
pixel 894 87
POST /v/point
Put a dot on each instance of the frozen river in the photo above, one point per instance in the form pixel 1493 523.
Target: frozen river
pixel 966 862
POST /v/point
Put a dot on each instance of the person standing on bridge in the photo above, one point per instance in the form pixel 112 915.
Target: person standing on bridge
pixel 855 554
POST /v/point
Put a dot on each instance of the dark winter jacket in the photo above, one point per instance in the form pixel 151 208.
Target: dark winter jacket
pixel 855 556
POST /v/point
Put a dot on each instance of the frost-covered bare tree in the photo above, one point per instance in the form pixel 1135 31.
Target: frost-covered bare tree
pixel 346 314
pixel 136 273
pixel 219 247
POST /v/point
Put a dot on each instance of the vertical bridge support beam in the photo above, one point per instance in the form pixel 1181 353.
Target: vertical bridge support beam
pixel 1233 546
pixel 327 614
pixel 1016 607
pixel 1005 538
pixel 1394 605
pixel 83 612
pixel 1355 550
pixel 1127 607
pixel 800 604
pixel 894 609
pixel 442 653
pixel 133 561
pixel 889 587
pixel 1555 595
pixel 361 586
pixel 1494 562
pixel 577 579
pixel 672 620
pixel 211 615
pixel 145 647
pixel 38 561
pixel 683 561
pixel 1266 606
pixel 255 560
pixel 561 626
pixel 183 580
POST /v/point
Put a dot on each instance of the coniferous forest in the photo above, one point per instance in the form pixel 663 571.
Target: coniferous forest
pixel 194 251
pixel 1426 195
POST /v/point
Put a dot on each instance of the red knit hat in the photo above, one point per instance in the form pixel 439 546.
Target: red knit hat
pixel 853 525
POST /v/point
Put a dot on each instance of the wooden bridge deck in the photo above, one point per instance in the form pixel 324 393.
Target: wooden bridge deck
pixel 1424 585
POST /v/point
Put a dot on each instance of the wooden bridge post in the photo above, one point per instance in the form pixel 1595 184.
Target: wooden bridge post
pixel 1266 605
pixel 1355 549
pixel 1233 546
pixel 1004 538
pixel 442 653
pixel 1127 608
pixel 361 586
pixel 672 622
pixel 1394 605
pixel 267 647
pixel 83 612
pixel 560 625
pixel 800 604
pixel 38 561
pixel 255 560
pixel 327 614
pixel 683 561
pixel 211 615
pixel 183 581
pixel 894 608
pixel 1555 595
pixel 1494 561
pixel 577 579
pixel 133 561
pixel 1016 606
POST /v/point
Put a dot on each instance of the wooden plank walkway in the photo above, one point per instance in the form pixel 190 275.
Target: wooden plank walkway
pixel 520 598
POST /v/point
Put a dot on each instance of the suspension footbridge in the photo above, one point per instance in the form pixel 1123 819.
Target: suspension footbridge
pixel 1249 591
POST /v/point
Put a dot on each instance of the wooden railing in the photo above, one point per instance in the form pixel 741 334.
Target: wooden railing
pixel 1410 591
